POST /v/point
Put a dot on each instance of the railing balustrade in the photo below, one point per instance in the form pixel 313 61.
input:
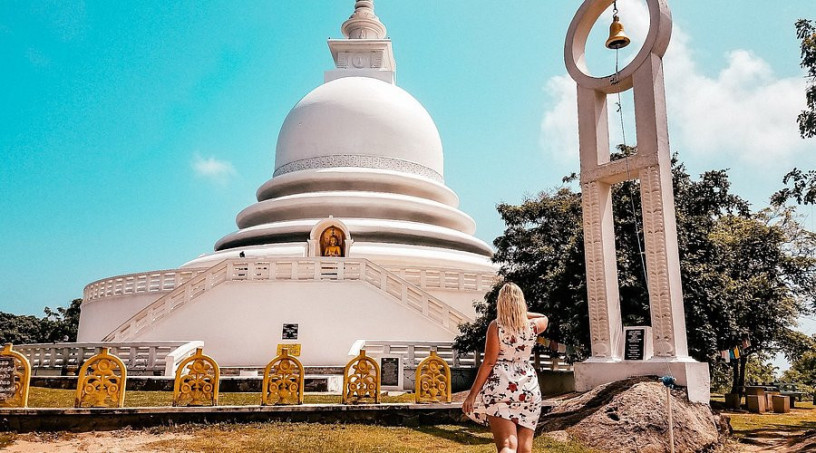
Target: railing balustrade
pixel 412 353
pixel 153 357
pixel 440 278
pixel 148 282
pixel 168 280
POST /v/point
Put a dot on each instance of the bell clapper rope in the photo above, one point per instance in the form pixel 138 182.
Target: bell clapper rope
pixel 618 40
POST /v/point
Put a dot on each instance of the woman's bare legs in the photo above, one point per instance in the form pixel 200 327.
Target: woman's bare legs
pixel 525 439
pixel 504 434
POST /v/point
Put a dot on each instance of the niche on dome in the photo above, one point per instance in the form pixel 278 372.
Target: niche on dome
pixel 329 238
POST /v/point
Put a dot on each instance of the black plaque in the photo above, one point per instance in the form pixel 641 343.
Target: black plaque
pixel 7 368
pixel 390 368
pixel 634 344
pixel 290 332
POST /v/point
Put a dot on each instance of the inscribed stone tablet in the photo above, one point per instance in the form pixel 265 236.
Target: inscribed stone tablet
pixel 390 368
pixel 634 344
pixel 7 368
pixel 290 332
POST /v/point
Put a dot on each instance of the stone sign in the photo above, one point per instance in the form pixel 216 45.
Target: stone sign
pixel 7 368
pixel 390 371
pixel 634 344
pixel 290 332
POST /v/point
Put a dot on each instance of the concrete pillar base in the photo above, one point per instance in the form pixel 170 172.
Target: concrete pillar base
pixel 687 372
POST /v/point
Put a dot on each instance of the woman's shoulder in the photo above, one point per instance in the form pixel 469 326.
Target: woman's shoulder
pixel 539 325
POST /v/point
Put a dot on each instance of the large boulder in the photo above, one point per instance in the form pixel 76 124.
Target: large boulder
pixel 632 416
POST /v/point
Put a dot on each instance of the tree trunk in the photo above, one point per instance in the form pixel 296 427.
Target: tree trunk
pixel 735 389
pixel 743 364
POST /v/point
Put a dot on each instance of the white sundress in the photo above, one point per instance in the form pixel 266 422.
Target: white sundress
pixel 511 390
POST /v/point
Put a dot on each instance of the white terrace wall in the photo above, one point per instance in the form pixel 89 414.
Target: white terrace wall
pixel 99 317
pixel 241 322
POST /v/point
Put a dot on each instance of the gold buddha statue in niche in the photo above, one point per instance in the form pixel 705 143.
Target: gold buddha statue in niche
pixel 330 243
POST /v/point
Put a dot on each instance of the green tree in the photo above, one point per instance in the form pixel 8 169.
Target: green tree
pixel 803 367
pixel 57 325
pixel 745 275
pixel 20 329
pixel 62 324
pixel 806 33
pixel 802 183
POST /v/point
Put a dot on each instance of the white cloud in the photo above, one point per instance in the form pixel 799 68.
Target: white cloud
pixel 218 171
pixel 742 117
pixel 559 126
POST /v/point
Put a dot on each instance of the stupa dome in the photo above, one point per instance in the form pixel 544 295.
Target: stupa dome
pixel 360 122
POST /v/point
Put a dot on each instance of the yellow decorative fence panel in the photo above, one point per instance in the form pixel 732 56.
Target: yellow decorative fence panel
pixel 361 380
pixel 15 376
pixel 433 380
pixel 196 381
pixel 101 381
pixel 283 380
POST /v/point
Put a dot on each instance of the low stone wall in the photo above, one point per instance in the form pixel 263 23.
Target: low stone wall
pixel 552 382
pixel 82 420
pixel 165 384
pixel 556 382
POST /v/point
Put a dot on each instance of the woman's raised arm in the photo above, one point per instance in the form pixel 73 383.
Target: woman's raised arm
pixel 541 321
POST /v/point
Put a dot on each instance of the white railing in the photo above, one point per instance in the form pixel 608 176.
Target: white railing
pixel 416 351
pixel 300 269
pixel 154 357
pixel 441 278
pixel 147 282
pixel 168 280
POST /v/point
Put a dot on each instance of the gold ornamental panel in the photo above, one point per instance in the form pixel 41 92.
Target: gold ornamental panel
pixel 283 380
pixel 433 380
pixel 294 349
pixel 361 380
pixel 101 381
pixel 15 376
pixel 196 381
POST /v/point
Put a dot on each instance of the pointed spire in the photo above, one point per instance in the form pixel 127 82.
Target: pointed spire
pixel 363 23
pixel 366 51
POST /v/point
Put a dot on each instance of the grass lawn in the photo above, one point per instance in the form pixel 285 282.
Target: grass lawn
pixel 44 397
pixel 800 418
pixel 303 437
pixel 748 426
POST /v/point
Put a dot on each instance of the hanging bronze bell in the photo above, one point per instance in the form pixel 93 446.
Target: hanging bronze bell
pixel 617 37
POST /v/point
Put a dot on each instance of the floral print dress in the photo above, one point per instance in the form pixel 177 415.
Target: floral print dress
pixel 511 390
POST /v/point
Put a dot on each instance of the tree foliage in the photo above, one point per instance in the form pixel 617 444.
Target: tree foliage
pixel 806 32
pixel 745 275
pixel 801 184
pixel 57 325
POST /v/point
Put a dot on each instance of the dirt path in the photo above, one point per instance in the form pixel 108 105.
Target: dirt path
pixel 94 442
pixel 779 441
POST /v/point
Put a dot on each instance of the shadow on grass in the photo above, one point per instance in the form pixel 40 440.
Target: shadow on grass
pixel 770 429
pixel 462 435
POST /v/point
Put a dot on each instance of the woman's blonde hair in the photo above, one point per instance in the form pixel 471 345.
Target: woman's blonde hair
pixel 511 308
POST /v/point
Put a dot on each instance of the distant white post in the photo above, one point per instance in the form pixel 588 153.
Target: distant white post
pixel 652 166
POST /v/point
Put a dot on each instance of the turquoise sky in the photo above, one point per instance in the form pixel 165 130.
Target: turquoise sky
pixel 132 133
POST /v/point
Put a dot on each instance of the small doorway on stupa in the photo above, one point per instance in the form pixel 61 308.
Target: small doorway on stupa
pixel 332 242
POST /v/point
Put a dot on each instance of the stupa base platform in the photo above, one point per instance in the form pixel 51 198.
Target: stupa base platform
pixel 688 373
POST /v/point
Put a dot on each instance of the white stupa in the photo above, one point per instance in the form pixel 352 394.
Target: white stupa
pixel 355 236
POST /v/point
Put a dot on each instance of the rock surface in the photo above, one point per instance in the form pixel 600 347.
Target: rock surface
pixel 631 416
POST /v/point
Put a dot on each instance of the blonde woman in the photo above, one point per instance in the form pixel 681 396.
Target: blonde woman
pixel 505 394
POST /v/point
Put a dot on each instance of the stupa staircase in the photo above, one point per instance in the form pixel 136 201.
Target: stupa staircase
pixel 386 282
